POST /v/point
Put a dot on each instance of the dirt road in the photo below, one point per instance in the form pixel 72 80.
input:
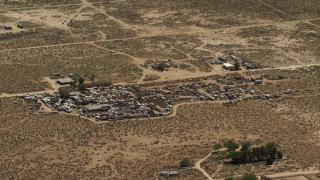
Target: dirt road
pixel 55 86
pixel 285 175
pixel 198 166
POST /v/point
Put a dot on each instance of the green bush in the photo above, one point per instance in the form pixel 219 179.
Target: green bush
pixel 185 162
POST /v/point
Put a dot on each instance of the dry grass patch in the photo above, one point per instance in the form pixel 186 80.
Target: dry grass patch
pixel 27 67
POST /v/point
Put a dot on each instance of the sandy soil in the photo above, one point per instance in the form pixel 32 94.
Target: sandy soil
pixel 112 40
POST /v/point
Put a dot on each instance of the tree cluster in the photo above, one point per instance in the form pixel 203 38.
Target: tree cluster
pixel 237 66
pixel 246 176
pixel 268 153
pixel 161 66
pixel 64 94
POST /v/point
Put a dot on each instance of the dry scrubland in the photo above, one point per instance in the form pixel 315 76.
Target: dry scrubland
pixel 267 33
pixel 35 3
pixel 64 59
pixel 111 39
pixel 174 46
pixel 62 146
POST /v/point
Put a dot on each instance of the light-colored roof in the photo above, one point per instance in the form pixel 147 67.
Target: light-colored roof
pixel 227 65
pixel 65 80
pixel 96 107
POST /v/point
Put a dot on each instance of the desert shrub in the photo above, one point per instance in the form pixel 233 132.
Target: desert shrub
pixel 185 162
pixel 161 67
pixel 246 176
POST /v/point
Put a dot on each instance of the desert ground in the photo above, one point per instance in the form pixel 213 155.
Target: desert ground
pixel 111 40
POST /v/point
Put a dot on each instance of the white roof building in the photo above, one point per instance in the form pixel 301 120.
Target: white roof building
pixel 64 81
pixel 228 66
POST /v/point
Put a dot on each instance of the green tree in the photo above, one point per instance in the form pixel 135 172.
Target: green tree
pixel 265 178
pixel 249 176
pixel 245 146
pixel 255 152
pixel 270 160
pixel 161 66
pixel 217 146
pixel 246 176
pixel 185 162
pixel 280 155
pixel 64 94
pixel 231 145
pixel 232 155
pixel 229 178
pixel 237 65
pixel 81 80
pixel 271 149
pixel 262 151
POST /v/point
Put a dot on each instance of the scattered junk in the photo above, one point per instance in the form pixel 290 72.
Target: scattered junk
pixel 21 26
pixel 119 102
pixel 287 91
pixel 222 59
pixel 258 82
pixel 217 62
pixel 184 66
pixel 56 76
pixel 7 27
pixel 169 173
pixel 249 66
pixel 230 103
pixel 233 57
pixel 266 96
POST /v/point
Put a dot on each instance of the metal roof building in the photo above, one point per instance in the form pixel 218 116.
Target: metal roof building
pixel 95 107
pixel 64 81
pixel 228 66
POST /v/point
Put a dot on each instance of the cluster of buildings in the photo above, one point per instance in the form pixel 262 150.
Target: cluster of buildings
pixel 166 63
pixel 134 101
pixel 61 79
pixel 119 102
pixel 229 62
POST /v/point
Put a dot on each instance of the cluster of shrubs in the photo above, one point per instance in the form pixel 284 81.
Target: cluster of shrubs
pixel 246 154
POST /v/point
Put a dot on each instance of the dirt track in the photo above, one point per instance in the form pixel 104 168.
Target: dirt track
pixel 198 166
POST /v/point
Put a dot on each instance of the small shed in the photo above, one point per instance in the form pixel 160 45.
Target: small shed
pixel 173 173
pixel 228 66
pixel 164 173
pixel 65 81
